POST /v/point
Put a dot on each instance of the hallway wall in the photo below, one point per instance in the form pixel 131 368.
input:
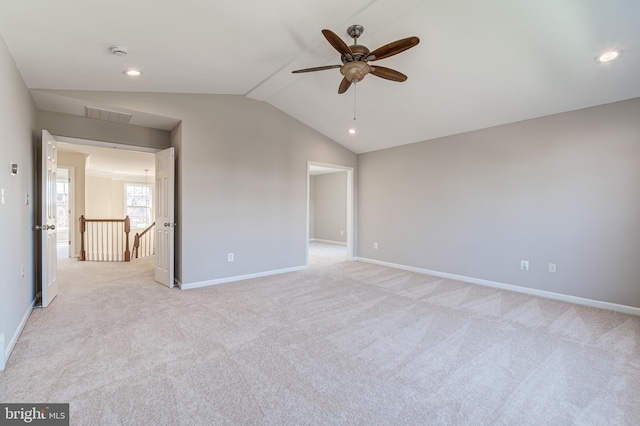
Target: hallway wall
pixel 18 138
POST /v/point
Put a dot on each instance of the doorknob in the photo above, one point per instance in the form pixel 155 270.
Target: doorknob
pixel 52 227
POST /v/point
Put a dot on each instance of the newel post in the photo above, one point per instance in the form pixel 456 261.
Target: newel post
pixel 83 228
pixel 136 244
pixel 127 229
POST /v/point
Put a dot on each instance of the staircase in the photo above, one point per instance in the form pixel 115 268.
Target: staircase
pixel 107 240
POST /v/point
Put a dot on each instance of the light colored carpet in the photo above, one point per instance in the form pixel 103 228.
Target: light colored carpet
pixel 340 343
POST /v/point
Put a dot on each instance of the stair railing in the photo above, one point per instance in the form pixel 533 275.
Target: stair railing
pixel 143 243
pixel 105 240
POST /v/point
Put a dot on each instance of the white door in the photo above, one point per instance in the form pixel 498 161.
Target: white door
pixel 165 224
pixel 47 227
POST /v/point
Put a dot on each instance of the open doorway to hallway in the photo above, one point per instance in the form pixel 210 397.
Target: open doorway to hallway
pixel 108 184
pixel 329 214
pixel 323 254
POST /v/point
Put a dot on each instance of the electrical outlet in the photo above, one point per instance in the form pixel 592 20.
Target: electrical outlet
pixel 341 232
pixel 552 268
pixel 22 271
pixel 524 265
pixel 375 246
pixel 230 257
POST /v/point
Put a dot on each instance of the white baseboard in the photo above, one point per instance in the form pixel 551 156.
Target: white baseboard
pixel 200 284
pixel 318 240
pixel 2 355
pixel 526 290
pixel 7 349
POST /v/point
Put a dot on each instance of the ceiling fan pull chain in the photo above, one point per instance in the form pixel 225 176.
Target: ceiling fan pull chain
pixel 355 98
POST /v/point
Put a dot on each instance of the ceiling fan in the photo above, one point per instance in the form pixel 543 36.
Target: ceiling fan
pixel 355 58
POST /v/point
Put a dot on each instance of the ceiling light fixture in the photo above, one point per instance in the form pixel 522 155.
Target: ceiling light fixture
pixel 352 131
pixel 132 73
pixel 355 71
pixel 608 55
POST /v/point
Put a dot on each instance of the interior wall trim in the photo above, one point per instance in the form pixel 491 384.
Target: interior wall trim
pixel 319 240
pixel 208 283
pixel 14 339
pixel 518 289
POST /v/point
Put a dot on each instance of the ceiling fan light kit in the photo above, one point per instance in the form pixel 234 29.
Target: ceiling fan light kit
pixel 355 58
pixel 355 71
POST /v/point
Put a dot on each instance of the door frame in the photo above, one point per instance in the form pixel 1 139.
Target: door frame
pixel 112 145
pixel 100 144
pixel 350 205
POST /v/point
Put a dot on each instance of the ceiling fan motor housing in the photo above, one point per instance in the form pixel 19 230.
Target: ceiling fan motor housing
pixel 360 52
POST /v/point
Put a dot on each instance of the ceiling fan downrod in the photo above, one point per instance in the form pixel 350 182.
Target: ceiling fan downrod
pixel 354 32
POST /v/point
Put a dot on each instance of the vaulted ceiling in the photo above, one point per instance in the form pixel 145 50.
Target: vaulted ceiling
pixel 478 64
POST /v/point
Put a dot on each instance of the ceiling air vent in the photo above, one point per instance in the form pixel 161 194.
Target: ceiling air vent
pixel 104 114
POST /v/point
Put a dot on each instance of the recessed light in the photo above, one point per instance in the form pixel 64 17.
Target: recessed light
pixel 352 131
pixel 609 55
pixel 132 73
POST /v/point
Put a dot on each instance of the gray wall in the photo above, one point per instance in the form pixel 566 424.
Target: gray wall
pixel 330 207
pixel 17 141
pixel 90 128
pixel 242 180
pixel 562 189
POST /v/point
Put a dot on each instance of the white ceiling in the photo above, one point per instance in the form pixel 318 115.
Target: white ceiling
pixel 479 63
pixel 115 162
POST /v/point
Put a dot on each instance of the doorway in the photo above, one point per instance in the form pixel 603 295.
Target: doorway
pixel 102 184
pixel 330 208
pixel 64 212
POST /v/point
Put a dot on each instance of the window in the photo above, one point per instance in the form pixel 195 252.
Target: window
pixel 138 204
pixel 62 203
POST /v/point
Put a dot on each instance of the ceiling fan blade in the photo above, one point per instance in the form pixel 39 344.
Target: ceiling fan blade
pixel 393 48
pixel 338 44
pixel 344 86
pixel 388 73
pixel 327 67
